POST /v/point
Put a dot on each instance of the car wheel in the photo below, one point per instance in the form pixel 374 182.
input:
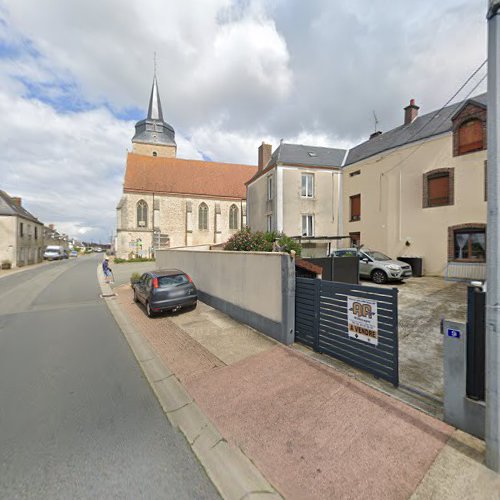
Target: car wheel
pixel 135 297
pixel 379 277
pixel 149 311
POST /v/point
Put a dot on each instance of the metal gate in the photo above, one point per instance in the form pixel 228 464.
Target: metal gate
pixel 353 323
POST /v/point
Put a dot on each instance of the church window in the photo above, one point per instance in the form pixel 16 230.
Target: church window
pixel 233 217
pixel 142 214
pixel 203 217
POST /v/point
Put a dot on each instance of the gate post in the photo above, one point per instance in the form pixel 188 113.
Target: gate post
pixel 317 306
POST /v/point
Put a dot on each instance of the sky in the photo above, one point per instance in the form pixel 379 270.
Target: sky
pixel 76 75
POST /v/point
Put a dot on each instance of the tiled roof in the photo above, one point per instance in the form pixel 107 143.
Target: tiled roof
pixel 8 207
pixel 422 127
pixel 178 176
pixel 302 155
pixel 308 266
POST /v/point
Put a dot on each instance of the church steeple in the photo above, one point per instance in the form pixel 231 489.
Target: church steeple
pixel 153 136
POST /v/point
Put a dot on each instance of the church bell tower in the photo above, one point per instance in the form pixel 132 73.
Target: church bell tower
pixel 153 136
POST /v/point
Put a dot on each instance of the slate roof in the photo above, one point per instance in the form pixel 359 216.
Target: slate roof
pixel 8 207
pixel 422 127
pixel 302 155
pixel 190 177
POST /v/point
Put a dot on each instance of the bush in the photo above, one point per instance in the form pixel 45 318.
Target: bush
pixel 135 277
pixel 117 260
pixel 248 241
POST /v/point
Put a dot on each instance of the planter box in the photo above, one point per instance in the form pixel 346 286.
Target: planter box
pixel 6 265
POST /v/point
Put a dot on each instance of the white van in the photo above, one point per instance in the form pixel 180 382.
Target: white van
pixel 54 252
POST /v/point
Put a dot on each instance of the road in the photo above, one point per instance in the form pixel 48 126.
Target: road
pixel 77 417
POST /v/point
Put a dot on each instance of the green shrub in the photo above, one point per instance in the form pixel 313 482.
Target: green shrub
pixel 248 241
pixel 117 260
pixel 135 277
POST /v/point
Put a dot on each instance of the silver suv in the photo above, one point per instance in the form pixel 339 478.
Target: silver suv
pixel 376 265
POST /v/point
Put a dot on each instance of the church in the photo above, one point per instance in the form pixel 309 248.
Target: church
pixel 172 202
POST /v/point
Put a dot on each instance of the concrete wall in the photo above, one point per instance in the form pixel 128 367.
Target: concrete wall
pixel 177 217
pixel 391 188
pixel 255 288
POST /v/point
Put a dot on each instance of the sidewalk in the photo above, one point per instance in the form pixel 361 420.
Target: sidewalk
pixel 312 431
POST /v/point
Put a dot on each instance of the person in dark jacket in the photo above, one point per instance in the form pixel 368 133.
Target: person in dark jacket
pixel 108 274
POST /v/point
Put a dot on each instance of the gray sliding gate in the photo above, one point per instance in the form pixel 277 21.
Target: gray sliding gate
pixel 356 324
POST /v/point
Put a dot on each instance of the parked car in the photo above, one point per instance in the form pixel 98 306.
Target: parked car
pixel 376 265
pixel 54 252
pixel 165 290
pixel 73 253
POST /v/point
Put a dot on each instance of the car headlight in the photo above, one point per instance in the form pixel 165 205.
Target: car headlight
pixel 393 267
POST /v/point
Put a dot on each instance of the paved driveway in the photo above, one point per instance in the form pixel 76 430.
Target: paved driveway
pixel 423 302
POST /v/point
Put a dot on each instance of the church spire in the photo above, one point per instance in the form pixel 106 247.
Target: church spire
pixel 154 110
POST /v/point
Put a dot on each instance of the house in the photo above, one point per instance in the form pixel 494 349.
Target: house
pixel 296 190
pixel 420 189
pixel 169 201
pixel 21 233
pixel 52 237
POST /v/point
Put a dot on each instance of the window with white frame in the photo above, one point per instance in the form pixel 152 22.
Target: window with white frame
pixel 270 187
pixel 269 223
pixel 308 225
pixel 307 190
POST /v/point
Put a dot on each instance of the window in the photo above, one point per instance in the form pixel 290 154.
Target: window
pixel 470 137
pixel 308 225
pixel 269 220
pixel 203 217
pixel 155 153
pixel 469 244
pixel 356 172
pixel 355 207
pixel 233 217
pixel 270 187
pixel 307 185
pixel 142 214
pixel 438 188
pixel 21 229
pixel 355 239
pixel 36 233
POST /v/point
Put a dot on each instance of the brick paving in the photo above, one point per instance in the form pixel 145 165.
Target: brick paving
pixel 183 355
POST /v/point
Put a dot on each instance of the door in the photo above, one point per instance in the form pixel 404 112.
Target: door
pixel 140 288
pixel 365 264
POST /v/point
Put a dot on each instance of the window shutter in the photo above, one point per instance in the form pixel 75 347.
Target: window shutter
pixel 356 207
pixel 470 136
pixel 439 189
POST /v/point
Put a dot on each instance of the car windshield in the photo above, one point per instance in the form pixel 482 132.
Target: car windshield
pixel 377 255
pixel 175 280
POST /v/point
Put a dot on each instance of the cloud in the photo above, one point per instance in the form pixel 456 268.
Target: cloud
pixel 74 76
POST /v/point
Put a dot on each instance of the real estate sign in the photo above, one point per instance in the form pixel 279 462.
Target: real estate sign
pixel 362 319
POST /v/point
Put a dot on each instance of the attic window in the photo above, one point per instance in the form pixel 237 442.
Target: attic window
pixel 312 154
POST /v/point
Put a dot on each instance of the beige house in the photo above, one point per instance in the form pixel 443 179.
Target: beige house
pixel 296 190
pixel 171 202
pixel 21 233
pixel 420 190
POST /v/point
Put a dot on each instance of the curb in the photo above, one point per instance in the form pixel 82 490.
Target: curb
pixel 230 470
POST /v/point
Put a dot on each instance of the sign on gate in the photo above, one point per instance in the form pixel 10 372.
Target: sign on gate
pixel 362 319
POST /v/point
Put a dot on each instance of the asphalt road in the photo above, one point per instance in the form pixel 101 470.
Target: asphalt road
pixel 77 417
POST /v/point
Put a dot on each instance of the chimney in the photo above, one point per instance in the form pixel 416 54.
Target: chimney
pixel 16 200
pixel 411 112
pixel 51 227
pixel 375 134
pixel 265 152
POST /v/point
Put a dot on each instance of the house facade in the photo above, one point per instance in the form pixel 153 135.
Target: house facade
pixel 170 202
pixel 296 190
pixel 21 233
pixel 420 190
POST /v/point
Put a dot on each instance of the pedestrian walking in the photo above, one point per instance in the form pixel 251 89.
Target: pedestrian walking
pixel 108 273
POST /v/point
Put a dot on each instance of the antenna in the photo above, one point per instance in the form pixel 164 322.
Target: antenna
pixel 375 119
pixel 154 62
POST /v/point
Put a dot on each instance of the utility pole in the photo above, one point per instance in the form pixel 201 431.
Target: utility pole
pixel 492 434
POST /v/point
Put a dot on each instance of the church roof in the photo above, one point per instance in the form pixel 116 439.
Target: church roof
pixel 189 177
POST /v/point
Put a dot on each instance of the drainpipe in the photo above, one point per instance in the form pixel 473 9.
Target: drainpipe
pixel 492 432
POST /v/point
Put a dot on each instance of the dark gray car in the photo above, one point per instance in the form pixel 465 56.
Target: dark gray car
pixel 165 290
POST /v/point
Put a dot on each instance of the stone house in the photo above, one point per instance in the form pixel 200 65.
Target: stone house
pixel 171 202
pixel 420 189
pixel 21 233
pixel 416 190
pixel 296 190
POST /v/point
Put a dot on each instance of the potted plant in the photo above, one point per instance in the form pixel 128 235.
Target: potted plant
pixel 6 264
